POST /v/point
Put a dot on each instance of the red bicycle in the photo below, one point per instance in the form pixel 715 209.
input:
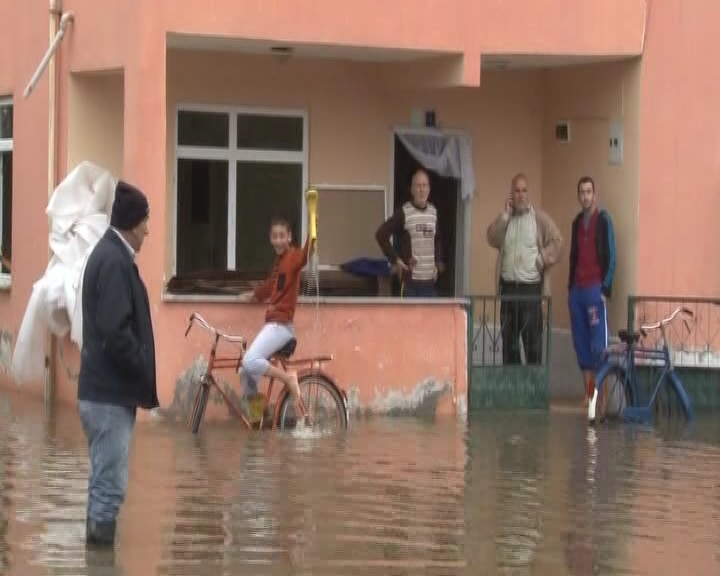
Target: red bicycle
pixel 333 411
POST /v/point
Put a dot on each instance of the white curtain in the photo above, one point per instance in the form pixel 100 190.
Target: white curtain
pixel 449 155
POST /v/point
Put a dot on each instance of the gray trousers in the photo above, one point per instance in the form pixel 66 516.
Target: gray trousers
pixel 269 340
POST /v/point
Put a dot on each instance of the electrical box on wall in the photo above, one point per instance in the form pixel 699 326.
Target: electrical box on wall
pixel 616 142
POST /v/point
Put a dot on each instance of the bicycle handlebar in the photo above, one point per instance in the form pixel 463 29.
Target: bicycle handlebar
pixel 195 318
pixel 682 311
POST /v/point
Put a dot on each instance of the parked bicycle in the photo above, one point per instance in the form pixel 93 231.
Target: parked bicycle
pixel 617 393
pixel 331 412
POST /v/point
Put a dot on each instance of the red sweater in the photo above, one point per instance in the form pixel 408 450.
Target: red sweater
pixel 282 286
pixel 588 271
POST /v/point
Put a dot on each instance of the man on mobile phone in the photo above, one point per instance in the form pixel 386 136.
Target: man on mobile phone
pixel 528 244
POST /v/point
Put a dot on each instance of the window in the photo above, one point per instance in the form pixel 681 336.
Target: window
pixel 235 169
pixel 6 156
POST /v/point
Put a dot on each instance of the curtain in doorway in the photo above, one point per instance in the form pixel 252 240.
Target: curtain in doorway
pixel 449 155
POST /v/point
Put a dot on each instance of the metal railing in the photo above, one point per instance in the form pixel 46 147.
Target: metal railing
pixel 696 346
pixel 509 347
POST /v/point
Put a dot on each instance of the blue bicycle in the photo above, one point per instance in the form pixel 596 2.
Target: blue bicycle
pixel 617 393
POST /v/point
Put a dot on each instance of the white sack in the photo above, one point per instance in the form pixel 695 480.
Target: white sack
pixel 79 213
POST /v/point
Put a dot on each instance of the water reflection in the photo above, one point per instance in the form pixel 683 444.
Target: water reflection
pixel 522 494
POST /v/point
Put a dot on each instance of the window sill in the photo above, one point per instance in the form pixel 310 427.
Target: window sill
pixel 5 282
pixel 329 300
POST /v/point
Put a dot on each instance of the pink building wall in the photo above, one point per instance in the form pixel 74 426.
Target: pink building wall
pixel 677 158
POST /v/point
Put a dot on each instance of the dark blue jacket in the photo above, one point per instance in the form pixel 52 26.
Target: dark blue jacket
pixel 117 361
pixel 605 245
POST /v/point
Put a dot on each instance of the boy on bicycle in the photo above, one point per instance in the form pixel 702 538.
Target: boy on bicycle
pixel 280 289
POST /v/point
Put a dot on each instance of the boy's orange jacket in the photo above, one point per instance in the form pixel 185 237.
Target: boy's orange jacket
pixel 283 285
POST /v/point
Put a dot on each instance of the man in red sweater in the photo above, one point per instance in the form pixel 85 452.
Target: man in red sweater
pixel 280 289
pixel 592 270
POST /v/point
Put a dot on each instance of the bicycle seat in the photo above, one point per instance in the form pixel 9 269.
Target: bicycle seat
pixel 629 337
pixel 288 350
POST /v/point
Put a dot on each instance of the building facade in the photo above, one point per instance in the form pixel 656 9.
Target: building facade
pixel 226 114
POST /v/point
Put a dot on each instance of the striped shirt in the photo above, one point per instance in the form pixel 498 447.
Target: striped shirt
pixel 418 238
pixel 421 225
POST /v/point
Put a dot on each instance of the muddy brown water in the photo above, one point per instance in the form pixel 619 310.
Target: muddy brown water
pixel 521 494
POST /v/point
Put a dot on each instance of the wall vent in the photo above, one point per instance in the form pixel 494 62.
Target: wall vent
pixel 562 132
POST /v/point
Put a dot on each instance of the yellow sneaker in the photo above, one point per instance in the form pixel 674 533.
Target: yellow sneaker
pixel 256 405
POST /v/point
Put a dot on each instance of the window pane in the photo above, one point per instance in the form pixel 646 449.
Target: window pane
pixel 202 192
pixel 6 121
pixel 6 206
pixel 270 132
pixel 263 191
pixel 203 129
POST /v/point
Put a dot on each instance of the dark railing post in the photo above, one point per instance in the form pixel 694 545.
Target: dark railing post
pixel 470 311
pixel 631 313
pixel 548 347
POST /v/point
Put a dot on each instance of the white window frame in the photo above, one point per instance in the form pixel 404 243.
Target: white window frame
pixel 6 145
pixel 234 155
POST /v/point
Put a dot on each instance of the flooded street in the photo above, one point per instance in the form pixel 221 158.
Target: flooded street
pixel 527 494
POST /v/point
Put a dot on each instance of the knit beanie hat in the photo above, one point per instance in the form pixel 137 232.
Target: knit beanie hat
pixel 130 207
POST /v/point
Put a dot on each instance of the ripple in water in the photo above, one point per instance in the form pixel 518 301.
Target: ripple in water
pixel 510 495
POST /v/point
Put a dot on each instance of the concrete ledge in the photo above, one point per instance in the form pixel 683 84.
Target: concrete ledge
pixel 343 300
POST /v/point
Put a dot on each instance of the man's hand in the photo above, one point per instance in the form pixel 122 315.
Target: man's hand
pixel 400 267
pixel 509 206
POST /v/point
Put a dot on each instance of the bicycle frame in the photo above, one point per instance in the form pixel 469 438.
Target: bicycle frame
pixel 313 366
pixel 626 360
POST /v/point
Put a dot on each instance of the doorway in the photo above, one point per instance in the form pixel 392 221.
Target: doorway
pixel 445 196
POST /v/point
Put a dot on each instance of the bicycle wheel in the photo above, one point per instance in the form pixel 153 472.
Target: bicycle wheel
pixel 323 403
pixel 668 408
pixel 198 411
pixel 614 394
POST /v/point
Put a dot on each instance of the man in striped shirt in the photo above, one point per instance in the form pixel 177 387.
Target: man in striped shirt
pixel 418 259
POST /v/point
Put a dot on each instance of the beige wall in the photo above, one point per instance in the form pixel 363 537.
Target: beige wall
pixel 351 117
pixel 589 98
pixel 96 119
pixel 510 118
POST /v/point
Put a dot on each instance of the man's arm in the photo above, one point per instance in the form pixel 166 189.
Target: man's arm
pixel 300 256
pixel 439 263
pixel 262 292
pixel 391 226
pixel 610 272
pixel 553 243
pixel 113 318
pixel 496 231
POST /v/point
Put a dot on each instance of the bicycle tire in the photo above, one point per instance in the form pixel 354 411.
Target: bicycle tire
pixel 668 407
pixel 324 382
pixel 626 394
pixel 201 400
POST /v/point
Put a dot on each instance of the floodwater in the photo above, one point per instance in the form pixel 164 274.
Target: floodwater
pixel 526 494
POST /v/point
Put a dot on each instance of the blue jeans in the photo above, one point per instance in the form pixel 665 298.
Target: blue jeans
pixel 108 429
pixel 419 290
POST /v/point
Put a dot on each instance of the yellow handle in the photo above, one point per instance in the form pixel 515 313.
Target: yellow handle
pixel 311 197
